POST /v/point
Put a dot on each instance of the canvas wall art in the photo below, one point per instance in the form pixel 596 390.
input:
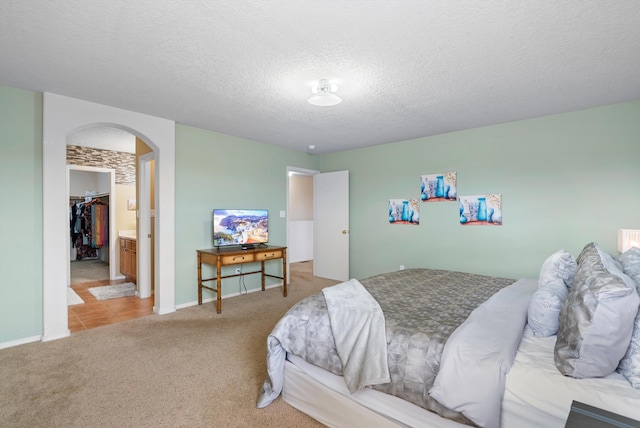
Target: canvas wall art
pixel 438 187
pixel 404 211
pixel 481 210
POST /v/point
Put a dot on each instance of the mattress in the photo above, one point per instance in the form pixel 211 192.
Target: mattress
pixel 536 395
pixel 325 397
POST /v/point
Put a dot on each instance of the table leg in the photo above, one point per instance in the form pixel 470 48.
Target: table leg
pixel 219 287
pixel 284 272
pixel 199 279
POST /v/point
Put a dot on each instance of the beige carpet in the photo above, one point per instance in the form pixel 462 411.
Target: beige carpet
pixel 192 368
pixel 88 270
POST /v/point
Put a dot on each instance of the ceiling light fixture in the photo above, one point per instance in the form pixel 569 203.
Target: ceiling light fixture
pixel 324 94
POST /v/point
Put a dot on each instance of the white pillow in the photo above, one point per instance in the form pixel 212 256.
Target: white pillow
pixel 544 308
pixel 560 264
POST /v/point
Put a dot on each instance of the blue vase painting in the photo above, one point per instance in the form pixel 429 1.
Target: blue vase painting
pixel 404 211
pixel 438 187
pixel 481 209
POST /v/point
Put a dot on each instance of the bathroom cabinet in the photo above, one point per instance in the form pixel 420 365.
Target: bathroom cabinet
pixel 128 261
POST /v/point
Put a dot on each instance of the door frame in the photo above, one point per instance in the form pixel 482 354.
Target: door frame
pixel 144 225
pixel 112 216
pixel 302 171
pixel 60 117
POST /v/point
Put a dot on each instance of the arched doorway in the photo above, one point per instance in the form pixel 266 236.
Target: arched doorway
pixel 62 116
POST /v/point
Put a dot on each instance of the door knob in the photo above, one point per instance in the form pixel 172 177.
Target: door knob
pixel 344 232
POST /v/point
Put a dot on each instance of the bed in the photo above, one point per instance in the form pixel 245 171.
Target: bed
pixel 454 349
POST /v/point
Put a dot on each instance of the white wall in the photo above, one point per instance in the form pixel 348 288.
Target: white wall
pixel 300 197
pixel 82 181
pixel 300 241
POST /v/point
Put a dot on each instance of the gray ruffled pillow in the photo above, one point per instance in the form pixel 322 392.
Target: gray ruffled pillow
pixel 544 308
pixel 560 264
pixel 597 319
pixel 630 261
pixel 630 365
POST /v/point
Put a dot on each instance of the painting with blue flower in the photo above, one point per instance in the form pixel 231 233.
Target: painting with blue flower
pixel 481 210
pixel 404 211
pixel 438 187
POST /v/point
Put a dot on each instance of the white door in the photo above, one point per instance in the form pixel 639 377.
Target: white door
pixel 331 225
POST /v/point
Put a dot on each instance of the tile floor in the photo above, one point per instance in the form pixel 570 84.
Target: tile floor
pixel 95 313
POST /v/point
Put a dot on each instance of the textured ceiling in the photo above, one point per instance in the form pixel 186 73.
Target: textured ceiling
pixel 405 69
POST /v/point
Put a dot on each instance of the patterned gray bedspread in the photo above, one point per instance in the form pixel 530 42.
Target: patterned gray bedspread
pixel 422 308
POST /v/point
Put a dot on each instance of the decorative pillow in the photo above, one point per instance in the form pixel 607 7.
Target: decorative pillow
pixel 630 365
pixel 544 308
pixel 597 319
pixel 630 261
pixel 560 264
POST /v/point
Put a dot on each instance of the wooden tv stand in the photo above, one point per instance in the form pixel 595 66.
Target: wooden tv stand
pixel 227 256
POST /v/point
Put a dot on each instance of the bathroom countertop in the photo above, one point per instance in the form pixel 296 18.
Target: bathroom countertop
pixel 127 234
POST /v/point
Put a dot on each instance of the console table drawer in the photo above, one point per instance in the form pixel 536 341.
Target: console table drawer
pixel 277 254
pixel 237 258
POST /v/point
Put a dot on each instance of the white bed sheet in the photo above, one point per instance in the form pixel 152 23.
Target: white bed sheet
pixel 536 395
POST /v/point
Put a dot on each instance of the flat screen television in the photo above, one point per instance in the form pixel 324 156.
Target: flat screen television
pixel 246 228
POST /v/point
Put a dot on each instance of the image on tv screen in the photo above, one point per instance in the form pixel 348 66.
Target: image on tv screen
pixel 240 227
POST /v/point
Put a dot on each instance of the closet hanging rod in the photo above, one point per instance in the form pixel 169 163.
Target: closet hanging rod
pixel 99 195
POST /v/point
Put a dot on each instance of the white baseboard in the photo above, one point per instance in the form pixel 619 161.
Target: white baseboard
pixel 56 337
pixel 157 311
pixel 226 296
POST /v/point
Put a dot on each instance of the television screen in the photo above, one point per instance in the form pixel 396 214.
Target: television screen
pixel 240 227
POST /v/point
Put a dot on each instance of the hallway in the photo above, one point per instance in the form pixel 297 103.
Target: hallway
pixel 93 312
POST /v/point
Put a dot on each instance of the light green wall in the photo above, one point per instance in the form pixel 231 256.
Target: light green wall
pixel 214 170
pixel 565 180
pixel 20 214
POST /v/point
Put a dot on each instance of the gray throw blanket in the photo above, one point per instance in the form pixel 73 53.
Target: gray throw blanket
pixel 358 330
